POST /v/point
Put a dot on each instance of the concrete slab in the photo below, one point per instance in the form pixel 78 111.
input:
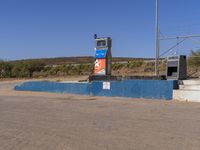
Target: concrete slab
pixel 190 87
pixel 186 95
pixel 191 82
pixel 189 91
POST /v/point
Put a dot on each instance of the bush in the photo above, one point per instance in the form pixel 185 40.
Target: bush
pixel 26 68
pixel 194 59
pixel 5 69
pixel 117 66
pixel 134 64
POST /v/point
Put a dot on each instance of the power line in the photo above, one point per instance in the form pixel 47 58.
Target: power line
pixel 177 44
pixel 196 41
pixel 181 37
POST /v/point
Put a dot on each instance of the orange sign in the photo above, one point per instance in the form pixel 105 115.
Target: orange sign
pixel 100 67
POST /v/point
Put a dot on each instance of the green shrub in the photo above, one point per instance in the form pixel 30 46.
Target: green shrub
pixel 117 66
pixel 5 69
pixel 194 59
pixel 135 64
pixel 26 68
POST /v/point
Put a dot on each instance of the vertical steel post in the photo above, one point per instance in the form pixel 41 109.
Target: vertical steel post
pixel 157 41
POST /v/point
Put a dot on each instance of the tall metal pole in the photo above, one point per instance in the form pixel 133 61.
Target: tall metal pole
pixel 157 42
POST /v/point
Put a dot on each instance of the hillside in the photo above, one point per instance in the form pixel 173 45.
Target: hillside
pixel 77 60
pixel 70 66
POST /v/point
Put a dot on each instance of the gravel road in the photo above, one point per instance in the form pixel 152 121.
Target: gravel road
pixel 44 121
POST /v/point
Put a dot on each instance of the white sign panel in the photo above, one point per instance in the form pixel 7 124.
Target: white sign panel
pixel 106 85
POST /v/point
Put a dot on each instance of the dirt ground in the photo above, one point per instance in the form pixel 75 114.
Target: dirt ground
pixel 45 121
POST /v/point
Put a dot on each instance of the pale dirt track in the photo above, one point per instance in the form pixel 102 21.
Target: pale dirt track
pixel 43 121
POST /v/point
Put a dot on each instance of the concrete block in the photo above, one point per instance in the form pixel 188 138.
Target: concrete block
pixel 191 82
pixel 190 87
pixel 186 95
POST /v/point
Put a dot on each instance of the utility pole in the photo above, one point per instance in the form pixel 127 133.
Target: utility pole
pixel 157 41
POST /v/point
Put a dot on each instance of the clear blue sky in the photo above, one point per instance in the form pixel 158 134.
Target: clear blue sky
pixel 59 28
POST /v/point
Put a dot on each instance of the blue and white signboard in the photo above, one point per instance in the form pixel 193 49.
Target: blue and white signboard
pixel 100 54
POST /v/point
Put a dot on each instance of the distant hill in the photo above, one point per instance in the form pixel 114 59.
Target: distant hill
pixel 78 60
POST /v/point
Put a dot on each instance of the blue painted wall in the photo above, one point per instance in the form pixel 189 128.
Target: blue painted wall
pixel 148 89
pixel 55 87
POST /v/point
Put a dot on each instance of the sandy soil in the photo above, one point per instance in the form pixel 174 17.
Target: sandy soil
pixel 45 121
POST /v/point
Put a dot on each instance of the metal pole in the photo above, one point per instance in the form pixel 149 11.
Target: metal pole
pixel 157 42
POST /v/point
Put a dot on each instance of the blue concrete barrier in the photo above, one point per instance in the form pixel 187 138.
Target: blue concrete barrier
pixel 55 87
pixel 148 89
